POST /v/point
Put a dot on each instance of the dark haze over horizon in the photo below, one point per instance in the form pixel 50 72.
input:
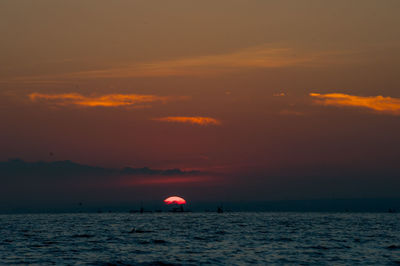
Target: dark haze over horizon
pixel 60 186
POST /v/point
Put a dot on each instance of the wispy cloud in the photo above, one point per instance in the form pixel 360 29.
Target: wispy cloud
pixel 108 100
pixel 197 120
pixel 169 180
pixel 265 56
pixel 380 104
pixel 18 167
pixel 254 57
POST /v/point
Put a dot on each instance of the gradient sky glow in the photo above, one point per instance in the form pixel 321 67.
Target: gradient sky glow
pixel 270 99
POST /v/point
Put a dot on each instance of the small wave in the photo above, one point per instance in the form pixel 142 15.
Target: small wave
pixel 393 247
pixel 82 236
pixel 138 251
pixel 159 241
pixel 319 247
pixel 158 263
pixel 284 239
pixel 35 246
pixel 154 241
pixel 117 263
pixel 49 243
pixel 139 231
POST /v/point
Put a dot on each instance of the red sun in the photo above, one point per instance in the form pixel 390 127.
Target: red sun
pixel 175 200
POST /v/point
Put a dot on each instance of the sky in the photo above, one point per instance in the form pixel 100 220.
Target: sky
pixel 269 100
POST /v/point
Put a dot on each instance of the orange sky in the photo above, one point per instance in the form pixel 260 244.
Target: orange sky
pixel 220 86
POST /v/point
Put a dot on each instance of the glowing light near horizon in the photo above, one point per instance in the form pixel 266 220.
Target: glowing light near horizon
pixel 175 200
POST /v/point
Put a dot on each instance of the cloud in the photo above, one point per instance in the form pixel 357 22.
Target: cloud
pixel 264 56
pixel 259 57
pixel 169 180
pixel 108 100
pixel 379 104
pixel 197 120
pixel 18 167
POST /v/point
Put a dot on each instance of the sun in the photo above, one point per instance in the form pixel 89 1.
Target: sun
pixel 175 200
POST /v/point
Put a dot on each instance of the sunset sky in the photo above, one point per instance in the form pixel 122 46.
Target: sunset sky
pixel 267 99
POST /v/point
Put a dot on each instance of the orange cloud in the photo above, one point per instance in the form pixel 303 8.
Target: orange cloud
pixel 264 56
pixel 109 100
pixel 198 120
pixel 381 104
pixel 254 57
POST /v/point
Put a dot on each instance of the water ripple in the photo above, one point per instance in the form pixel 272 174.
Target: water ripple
pixel 200 238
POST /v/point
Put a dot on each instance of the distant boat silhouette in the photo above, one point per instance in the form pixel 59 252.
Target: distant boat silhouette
pixel 179 209
pixel 220 208
pixel 141 209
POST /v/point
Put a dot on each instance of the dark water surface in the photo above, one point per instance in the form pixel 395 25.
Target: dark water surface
pixel 200 238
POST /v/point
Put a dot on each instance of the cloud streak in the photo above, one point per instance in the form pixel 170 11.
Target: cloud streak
pixel 169 180
pixel 264 56
pixel 259 57
pixel 378 104
pixel 108 100
pixel 196 120
pixel 18 167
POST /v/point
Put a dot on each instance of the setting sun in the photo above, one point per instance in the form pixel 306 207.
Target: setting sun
pixel 175 200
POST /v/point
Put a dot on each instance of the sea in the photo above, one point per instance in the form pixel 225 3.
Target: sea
pixel 237 238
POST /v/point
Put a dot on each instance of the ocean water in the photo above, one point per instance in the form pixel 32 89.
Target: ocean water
pixel 200 238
